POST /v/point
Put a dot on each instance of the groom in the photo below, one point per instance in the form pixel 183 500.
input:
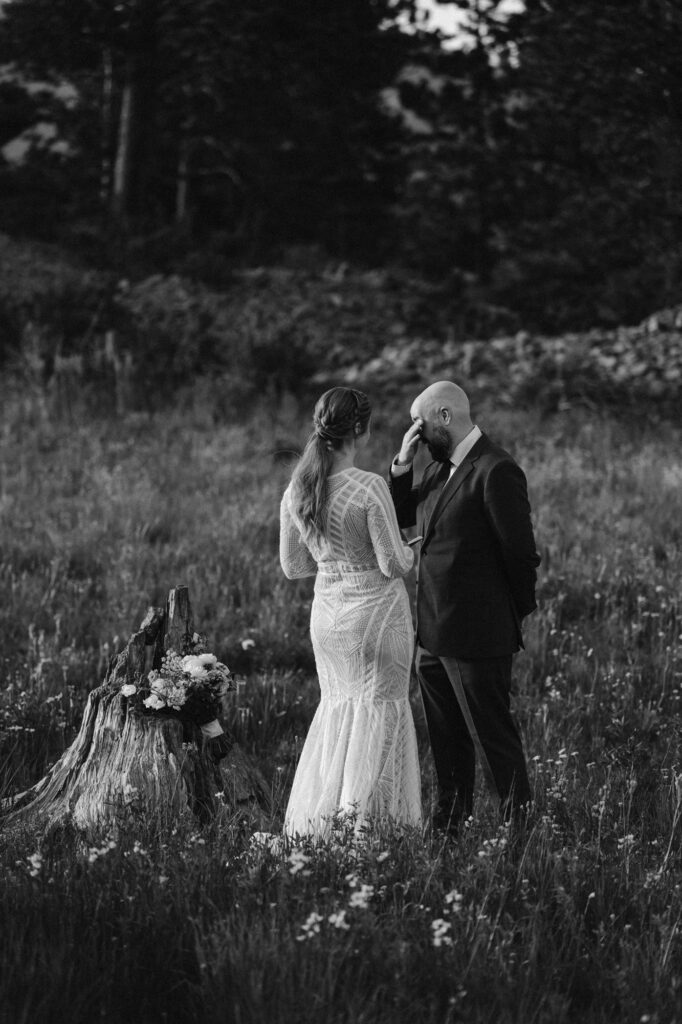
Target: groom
pixel 475 584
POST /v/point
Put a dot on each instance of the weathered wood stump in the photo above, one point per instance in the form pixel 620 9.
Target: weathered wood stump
pixel 123 764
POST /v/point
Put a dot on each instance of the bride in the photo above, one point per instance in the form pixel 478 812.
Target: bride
pixel 338 523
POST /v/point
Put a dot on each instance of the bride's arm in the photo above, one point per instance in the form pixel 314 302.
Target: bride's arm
pixel 294 556
pixel 395 558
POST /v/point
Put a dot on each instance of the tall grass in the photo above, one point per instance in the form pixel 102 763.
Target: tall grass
pixel 577 918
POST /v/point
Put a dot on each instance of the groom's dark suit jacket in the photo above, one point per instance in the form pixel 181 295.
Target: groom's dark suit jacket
pixel 478 560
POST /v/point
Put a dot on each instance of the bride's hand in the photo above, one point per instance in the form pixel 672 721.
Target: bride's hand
pixel 411 440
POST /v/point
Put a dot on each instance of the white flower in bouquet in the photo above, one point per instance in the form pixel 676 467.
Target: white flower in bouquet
pixel 208 660
pixel 172 692
pixel 128 689
pixel 193 665
pixel 154 702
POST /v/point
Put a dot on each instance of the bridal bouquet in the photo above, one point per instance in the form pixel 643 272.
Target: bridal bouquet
pixel 190 685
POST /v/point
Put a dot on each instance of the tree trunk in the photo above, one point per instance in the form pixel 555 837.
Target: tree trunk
pixel 123 763
pixel 119 195
pixel 106 122
pixel 182 182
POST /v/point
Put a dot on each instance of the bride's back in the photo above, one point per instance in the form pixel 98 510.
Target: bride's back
pixel 346 536
pixel 360 530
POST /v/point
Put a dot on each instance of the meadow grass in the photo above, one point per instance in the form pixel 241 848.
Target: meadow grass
pixel 575 918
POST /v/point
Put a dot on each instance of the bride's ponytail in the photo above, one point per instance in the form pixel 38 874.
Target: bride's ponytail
pixel 339 413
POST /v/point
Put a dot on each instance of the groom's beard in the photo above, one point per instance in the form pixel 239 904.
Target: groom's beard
pixel 439 445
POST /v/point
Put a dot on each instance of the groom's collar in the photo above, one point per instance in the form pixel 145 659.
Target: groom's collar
pixel 465 446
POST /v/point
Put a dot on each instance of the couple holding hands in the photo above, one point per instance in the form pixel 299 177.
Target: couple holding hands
pixel 476 577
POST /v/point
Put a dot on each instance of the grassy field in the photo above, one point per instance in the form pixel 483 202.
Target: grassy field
pixel 577 920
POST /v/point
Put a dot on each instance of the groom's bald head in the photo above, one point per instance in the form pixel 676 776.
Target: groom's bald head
pixel 443 406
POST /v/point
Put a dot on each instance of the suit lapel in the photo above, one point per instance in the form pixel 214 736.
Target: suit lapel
pixel 433 493
pixel 465 467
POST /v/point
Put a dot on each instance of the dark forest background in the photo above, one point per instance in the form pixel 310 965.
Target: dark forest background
pixel 534 174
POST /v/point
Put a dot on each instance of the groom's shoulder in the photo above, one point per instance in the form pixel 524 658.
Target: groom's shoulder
pixel 489 452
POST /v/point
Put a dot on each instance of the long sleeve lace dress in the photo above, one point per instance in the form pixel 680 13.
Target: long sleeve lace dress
pixel 360 754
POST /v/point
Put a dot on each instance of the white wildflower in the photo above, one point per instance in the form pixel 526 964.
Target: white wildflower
pixel 338 920
pixel 128 689
pixel 310 927
pixel 359 899
pixel 297 863
pixel 95 852
pixel 35 864
pixel 267 841
pixel 454 900
pixel 439 932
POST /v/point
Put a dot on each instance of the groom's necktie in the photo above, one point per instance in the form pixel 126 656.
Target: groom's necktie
pixel 443 475
pixel 440 481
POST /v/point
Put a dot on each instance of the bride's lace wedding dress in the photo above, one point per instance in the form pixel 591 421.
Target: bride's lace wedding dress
pixel 360 754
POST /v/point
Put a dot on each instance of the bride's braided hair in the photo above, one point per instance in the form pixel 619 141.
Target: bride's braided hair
pixel 339 413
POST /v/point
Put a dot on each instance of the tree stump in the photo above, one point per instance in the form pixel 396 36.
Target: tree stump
pixel 123 764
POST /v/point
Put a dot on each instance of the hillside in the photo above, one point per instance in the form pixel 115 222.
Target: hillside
pixel 286 329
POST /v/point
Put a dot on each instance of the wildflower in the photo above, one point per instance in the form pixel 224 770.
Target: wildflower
pixel 248 644
pixel 310 927
pixel 297 861
pixel 128 689
pixel 359 899
pixel 381 857
pixel 490 845
pixel 267 841
pixel 454 901
pixel 36 864
pixel 338 920
pixel 163 879
pixel 439 933
pixel 95 852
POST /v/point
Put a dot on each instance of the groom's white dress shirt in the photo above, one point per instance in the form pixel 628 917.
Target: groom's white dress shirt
pixel 460 453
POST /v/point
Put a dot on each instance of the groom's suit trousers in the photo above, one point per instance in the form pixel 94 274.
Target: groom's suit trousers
pixel 467 710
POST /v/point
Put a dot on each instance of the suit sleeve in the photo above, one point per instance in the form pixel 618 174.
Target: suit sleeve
pixel 508 511
pixel 404 498
pixel 294 556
